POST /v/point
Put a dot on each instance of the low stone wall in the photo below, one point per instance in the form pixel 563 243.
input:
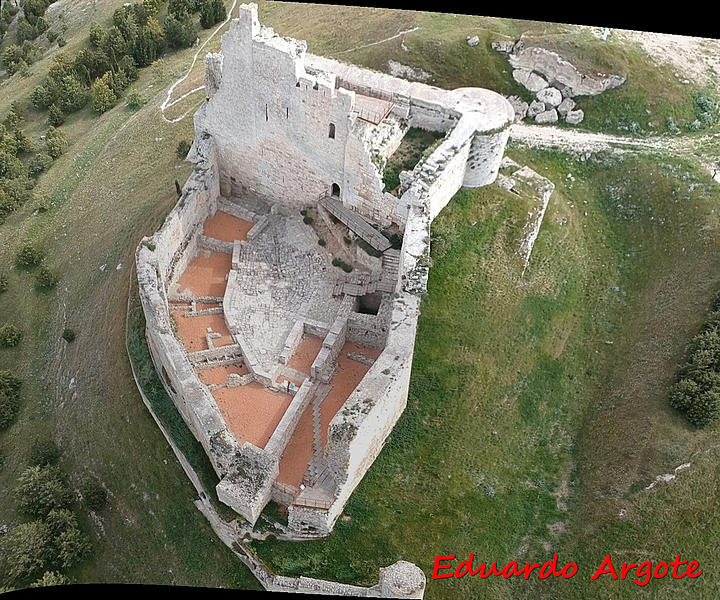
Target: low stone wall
pixel 214 245
pixel 283 432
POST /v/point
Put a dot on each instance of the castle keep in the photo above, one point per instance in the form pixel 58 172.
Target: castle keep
pixel 282 292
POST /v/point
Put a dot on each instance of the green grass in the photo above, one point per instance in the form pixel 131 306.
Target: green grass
pixel 416 144
pixel 509 373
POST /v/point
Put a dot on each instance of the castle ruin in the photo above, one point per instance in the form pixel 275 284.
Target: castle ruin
pixel 282 292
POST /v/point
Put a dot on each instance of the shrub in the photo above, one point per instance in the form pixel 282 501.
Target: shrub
pixel 56 117
pixel 347 240
pixel 41 489
pixel 43 202
pixel 183 148
pixel 61 40
pixel 9 406
pixel 211 13
pixel 103 97
pixel 41 162
pixel 44 452
pixel 322 242
pixel 26 552
pixel 135 99
pixel 55 142
pixel 368 248
pixel 697 391
pixel 69 545
pixel 342 264
pixel 68 335
pixel 9 335
pixel 179 30
pixel 93 493
pixel 50 578
pixel 28 255
pixel 3 282
pixel 303 212
pixel 308 220
pixel 45 279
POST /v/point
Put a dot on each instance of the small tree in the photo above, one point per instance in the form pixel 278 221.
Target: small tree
pixel 69 544
pixel 45 279
pixel 28 255
pixel 41 489
pixel 9 335
pixel 9 406
pixel 68 335
pixel 44 452
pixel 50 578
pixel 3 282
pixel 179 30
pixel 93 493
pixel 41 162
pixel 211 13
pixel 103 98
pixel 55 142
pixel 183 148
pixel 26 552
pixel 135 99
pixel 56 117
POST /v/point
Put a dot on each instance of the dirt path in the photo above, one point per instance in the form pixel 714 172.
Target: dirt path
pixel 167 103
pixel 387 39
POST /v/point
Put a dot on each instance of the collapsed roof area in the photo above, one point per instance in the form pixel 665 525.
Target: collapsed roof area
pixel 282 292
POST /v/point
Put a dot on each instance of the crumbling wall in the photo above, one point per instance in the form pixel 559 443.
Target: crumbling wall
pixel 278 144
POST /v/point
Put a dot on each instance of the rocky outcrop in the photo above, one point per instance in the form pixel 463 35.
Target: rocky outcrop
pixel 556 71
pixel 528 79
pixel 551 96
pixel 553 80
pixel 574 116
pixel 548 116
pixel 519 106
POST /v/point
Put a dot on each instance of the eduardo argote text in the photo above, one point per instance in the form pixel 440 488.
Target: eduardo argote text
pixel 640 573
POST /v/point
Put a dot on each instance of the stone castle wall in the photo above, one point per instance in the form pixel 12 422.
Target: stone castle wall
pixel 264 133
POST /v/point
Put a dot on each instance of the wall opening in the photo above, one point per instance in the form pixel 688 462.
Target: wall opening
pixel 331 131
pixel 335 190
pixel 369 304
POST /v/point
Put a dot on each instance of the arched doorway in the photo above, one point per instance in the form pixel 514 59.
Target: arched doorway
pixel 335 190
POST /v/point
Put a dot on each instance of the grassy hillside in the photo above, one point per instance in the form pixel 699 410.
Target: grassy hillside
pixel 515 411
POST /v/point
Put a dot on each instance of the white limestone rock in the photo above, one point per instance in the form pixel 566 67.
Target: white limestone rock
pixel 528 79
pixel 550 96
pixel 535 108
pixel 473 41
pixel 503 46
pixel 575 116
pixel 519 106
pixel 566 106
pixel 548 116
pixel 561 72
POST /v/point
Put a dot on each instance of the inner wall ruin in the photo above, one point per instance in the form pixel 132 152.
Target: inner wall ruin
pixel 281 306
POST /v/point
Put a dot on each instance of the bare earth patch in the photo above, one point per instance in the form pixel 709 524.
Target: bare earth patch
pixel 251 411
pixel 226 228
pixel 192 331
pixel 206 275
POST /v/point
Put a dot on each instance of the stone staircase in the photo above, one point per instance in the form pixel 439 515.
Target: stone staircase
pixel 317 462
pixel 390 270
